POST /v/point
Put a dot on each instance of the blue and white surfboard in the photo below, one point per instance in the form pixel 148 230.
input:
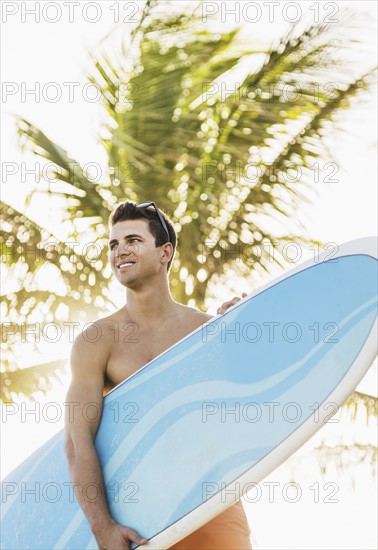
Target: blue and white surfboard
pixel 217 411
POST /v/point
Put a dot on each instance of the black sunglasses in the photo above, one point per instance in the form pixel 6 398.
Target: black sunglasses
pixel 161 219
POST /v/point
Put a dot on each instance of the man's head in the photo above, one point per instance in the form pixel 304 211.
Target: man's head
pixel 158 223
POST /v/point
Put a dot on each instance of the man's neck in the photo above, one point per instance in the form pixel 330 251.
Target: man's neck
pixel 149 304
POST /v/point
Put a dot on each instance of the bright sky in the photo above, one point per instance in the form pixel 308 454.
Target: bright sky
pixel 57 53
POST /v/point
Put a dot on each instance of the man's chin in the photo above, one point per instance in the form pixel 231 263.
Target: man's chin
pixel 130 282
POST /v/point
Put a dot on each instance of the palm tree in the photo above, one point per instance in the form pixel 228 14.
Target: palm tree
pixel 173 136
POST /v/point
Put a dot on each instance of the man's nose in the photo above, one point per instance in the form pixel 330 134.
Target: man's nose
pixel 121 250
pixel 124 249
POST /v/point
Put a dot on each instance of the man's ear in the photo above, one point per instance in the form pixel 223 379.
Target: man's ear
pixel 167 252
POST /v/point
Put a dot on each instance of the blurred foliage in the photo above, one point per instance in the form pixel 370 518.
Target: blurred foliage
pixel 358 401
pixel 337 450
pixel 220 164
pixel 25 382
pixel 346 457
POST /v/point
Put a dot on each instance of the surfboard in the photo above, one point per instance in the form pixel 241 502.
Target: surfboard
pixel 219 410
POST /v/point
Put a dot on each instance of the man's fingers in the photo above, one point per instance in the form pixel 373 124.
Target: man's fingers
pixel 232 302
pixel 224 307
pixel 133 535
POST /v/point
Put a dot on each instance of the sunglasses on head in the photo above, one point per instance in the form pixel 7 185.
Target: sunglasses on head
pixel 161 219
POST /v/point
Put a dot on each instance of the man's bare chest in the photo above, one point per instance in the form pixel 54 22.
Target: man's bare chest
pixel 131 347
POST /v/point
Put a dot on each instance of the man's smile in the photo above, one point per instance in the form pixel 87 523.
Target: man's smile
pixel 125 265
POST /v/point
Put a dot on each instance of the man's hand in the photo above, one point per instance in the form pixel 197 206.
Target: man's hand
pixel 117 537
pixel 224 307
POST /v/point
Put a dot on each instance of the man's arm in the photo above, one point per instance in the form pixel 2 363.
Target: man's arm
pixel 85 397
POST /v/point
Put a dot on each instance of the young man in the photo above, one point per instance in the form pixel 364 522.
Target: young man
pixel 141 248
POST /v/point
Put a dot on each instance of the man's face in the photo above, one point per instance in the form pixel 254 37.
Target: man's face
pixel 133 255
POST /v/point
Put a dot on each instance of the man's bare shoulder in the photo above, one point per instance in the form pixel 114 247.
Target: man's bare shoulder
pixel 98 331
pixel 193 315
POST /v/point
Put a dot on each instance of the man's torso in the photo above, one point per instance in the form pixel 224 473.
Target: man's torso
pixel 130 346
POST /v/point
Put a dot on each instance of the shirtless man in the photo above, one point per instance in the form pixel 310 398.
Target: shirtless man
pixel 141 248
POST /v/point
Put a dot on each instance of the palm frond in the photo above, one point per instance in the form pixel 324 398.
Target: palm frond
pixel 173 136
pixel 25 382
